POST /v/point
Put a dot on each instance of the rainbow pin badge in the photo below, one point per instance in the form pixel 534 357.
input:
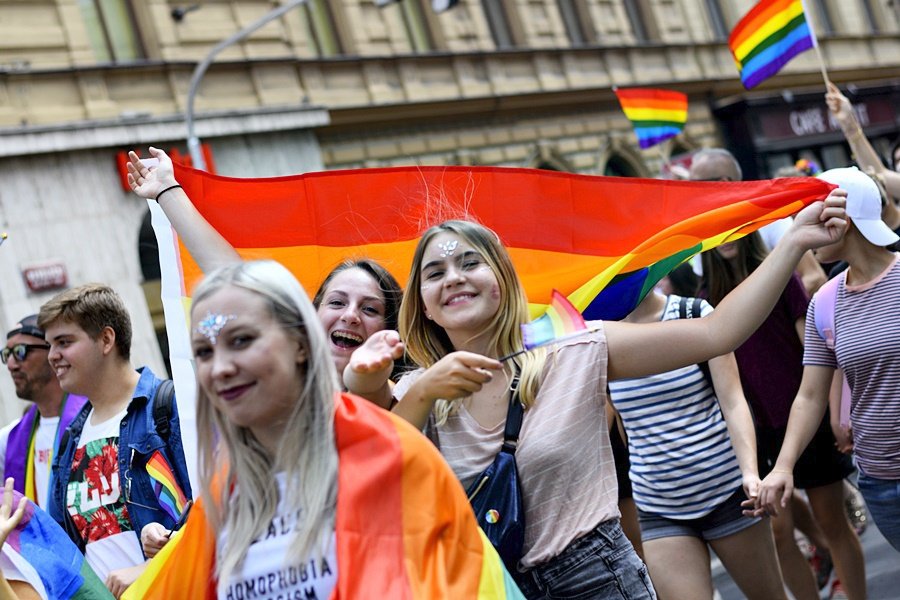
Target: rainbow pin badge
pixel 492 516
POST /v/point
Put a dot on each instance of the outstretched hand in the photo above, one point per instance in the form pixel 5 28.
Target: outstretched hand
pixel 9 518
pixel 838 104
pixel 823 222
pixel 377 353
pixel 148 182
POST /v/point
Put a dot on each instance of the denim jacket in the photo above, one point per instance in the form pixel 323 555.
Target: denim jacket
pixel 138 441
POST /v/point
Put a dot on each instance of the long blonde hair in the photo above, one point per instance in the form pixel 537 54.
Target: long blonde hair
pixel 306 453
pixel 427 342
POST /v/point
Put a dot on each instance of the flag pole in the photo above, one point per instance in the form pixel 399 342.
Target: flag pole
pixel 815 41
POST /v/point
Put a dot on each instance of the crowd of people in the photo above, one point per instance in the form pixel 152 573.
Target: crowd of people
pixel 310 415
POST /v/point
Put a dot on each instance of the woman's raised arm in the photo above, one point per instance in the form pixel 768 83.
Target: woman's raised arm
pixel 206 245
pixel 636 350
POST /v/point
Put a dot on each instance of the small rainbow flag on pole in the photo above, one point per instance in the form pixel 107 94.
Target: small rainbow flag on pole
pixel 562 319
pixel 169 494
pixel 771 34
pixel 656 115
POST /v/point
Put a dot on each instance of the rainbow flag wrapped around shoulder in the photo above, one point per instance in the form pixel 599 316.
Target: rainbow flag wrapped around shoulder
pixel 404 527
pixel 656 115
pixel 770 35
pixel 46 559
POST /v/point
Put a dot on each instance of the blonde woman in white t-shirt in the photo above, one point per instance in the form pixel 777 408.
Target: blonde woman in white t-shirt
pixel 463 304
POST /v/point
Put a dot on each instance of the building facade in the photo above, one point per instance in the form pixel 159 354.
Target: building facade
pixel 348 83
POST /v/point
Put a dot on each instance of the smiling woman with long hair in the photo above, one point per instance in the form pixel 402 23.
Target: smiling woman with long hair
pixel 464 305
pixel 306 490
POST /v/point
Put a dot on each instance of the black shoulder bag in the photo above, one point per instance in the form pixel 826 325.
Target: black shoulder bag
pixel 496 495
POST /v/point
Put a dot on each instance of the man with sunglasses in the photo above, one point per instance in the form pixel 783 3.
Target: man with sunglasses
pixel 27 445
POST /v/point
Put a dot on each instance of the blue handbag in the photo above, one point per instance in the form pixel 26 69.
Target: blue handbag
pixel 496 496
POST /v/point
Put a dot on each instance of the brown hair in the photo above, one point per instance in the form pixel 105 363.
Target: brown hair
pixel 92 307
pixel 720 276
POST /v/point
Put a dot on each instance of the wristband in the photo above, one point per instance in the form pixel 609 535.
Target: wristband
pixel 171 187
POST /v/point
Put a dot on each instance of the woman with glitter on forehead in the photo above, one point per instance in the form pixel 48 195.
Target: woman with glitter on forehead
pixel 288 464
pixel 356 299
pixel 463 306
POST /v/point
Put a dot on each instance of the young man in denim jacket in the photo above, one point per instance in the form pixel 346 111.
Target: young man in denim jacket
pixel 102 492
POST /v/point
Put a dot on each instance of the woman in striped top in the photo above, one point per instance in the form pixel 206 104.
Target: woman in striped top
pixel 689 475
pixel 867 348
pixel 463 304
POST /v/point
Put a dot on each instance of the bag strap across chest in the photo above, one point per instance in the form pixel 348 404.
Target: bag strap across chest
pixel 514 416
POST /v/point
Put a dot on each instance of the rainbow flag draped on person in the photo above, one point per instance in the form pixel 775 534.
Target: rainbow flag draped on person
pixel 47 559
pixel 770 35
pixel 656 115
pixel 560 321
pixel 404 528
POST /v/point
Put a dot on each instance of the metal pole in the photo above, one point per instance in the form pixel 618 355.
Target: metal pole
pixel 193 141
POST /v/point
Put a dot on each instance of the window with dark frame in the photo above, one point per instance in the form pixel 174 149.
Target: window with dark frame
pixel 498 22
pixel 578 24
pixel 717 19
pixel 323 29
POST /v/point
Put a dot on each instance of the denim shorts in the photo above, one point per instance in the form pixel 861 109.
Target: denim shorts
pixel 882 498
pixel 600 564
pixel 726 519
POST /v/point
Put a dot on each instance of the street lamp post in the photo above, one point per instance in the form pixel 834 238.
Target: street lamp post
pixel 193 141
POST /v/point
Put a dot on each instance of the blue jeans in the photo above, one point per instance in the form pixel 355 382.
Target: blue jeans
pixel 601 564
pixel 882 498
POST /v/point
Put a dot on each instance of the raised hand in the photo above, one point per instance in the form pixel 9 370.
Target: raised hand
pixel 377 353
pixel 821 223
pixel 148 182
pixel 9 518
pixel 838 104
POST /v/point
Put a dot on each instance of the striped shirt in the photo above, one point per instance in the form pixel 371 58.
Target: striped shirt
pixel 683 465
pixel 867 338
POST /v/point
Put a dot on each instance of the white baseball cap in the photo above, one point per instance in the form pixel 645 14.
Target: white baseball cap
pixel 863 204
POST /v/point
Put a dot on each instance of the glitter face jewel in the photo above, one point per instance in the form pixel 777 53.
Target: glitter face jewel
pixel 448 248
pixel 211 326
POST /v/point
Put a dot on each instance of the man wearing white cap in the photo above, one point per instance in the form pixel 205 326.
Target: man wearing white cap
pixel 867 348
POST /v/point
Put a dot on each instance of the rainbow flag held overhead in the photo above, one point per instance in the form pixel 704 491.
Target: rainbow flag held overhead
pixel 656 115
pixel 46 559
pixel 561 320
pixel 169 494
pixel 393 539
pixel 770 35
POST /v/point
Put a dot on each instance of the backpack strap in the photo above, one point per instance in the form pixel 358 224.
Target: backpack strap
pixel 695 313
pixel 163 401
pixel 826 298
pixel 514 416
pixel 823 311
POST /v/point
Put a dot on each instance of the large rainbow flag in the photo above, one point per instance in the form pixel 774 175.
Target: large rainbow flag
pixel 656 115
pixel 47 559
pixel 603 242
pixel 771 34
pixel 404 528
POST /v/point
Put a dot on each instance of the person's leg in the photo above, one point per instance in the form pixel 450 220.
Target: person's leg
pixel 797 573
pixel 819 557
pixel 750 558
pixel 679 567
pixel 820 470
pixel 882 498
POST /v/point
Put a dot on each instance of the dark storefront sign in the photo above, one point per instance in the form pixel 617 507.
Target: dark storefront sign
pixel 766 130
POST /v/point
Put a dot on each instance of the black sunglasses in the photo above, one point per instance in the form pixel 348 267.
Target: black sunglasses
pixel 20 351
